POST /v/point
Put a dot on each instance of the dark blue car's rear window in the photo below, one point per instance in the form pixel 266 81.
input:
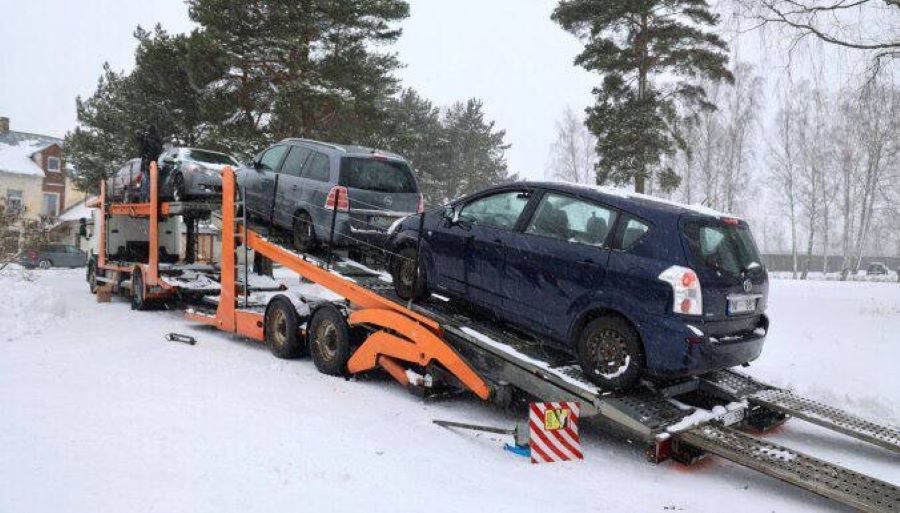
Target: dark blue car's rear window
pixel 729 248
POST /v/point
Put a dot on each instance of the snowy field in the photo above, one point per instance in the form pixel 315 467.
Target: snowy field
pixel 98 413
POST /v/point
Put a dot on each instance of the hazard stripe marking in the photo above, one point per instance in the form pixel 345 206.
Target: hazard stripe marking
pixel 554 432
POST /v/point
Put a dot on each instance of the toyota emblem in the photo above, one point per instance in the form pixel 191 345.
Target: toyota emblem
pixel 748 285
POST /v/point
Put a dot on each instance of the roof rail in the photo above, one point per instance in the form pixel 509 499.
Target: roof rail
pixel 320 143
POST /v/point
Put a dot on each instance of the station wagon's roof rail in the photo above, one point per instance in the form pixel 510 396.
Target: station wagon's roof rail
pixel 319 143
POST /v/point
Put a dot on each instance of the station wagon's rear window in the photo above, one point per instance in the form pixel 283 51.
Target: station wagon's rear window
pixel 376 175
pixel 724 247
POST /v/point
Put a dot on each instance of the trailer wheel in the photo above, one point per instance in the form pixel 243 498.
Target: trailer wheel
pixel 610 352
pixel 92 277
pixel 329 340
pixel 406 284
pixel 138 301
pixel 282 326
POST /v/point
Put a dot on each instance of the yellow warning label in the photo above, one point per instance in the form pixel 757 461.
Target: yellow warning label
pixel 555 419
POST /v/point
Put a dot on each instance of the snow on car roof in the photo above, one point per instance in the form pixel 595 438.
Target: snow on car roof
pixel 627 194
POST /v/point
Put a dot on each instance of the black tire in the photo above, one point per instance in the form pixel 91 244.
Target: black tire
pixel 304 233
pixel 138 301
pixel 404 271
pixel 178 191
pixel 282 329
pixel 610 353
pixel 92 277
pixel 329 340
pixel 45 264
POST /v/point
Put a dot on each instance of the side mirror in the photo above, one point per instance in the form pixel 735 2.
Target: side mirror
pixel 448 213
pixel 257 165
pixel 169 161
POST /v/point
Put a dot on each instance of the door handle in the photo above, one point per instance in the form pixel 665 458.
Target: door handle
pixel 498 241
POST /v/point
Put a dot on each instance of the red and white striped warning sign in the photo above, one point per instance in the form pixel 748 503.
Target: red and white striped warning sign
pixel 554 432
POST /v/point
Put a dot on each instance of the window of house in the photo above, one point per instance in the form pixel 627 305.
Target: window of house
pixel 50 205
pixel 52 163
pixel 14 202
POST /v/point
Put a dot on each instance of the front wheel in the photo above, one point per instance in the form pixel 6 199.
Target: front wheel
pixel 610 353
pixel 409 278
pixel 329 340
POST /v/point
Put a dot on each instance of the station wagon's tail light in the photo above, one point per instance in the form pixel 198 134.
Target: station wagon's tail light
pixel 687 295
pixel 32 255
pixel 339 192
pixel 420 207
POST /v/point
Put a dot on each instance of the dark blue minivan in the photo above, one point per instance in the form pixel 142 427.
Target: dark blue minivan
pixel 632 285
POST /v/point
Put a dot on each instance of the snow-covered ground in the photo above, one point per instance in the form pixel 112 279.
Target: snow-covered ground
pixel 98 413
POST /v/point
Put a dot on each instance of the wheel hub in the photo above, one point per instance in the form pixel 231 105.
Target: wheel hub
pixel 610 352
pixel 408 272
pixel 326 340
pixel 279 328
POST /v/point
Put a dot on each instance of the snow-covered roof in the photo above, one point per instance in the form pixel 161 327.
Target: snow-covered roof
pixel 628 194
pixel 17 148
pixel 77 211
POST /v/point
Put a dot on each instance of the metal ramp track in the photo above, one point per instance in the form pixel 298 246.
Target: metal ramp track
pixel 828 417
pixel 834 482
pixel 736 387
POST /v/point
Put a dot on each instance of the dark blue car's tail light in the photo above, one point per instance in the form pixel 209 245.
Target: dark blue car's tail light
pixel 686 291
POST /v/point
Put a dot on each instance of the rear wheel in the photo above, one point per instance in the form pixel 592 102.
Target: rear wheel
pixel 610 352
pixel 282 326
pixel 408 276
pixel 45 264
pixel 329 340
pixel 304 233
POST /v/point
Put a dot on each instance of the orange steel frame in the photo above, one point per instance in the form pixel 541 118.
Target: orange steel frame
pixel 404 335
pixel 151 210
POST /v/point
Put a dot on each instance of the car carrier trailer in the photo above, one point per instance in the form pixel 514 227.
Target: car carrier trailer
pixel 446 347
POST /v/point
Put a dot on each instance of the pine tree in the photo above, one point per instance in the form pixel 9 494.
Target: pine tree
pixel 651 53
pixel 473 151
pixel 167 89
pixel 413 129
pixel 303 68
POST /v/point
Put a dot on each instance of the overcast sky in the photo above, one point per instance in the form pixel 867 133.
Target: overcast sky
pixel 506 52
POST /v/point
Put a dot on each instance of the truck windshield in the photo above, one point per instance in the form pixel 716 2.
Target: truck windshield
pixel 725 247
pixel 377 175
